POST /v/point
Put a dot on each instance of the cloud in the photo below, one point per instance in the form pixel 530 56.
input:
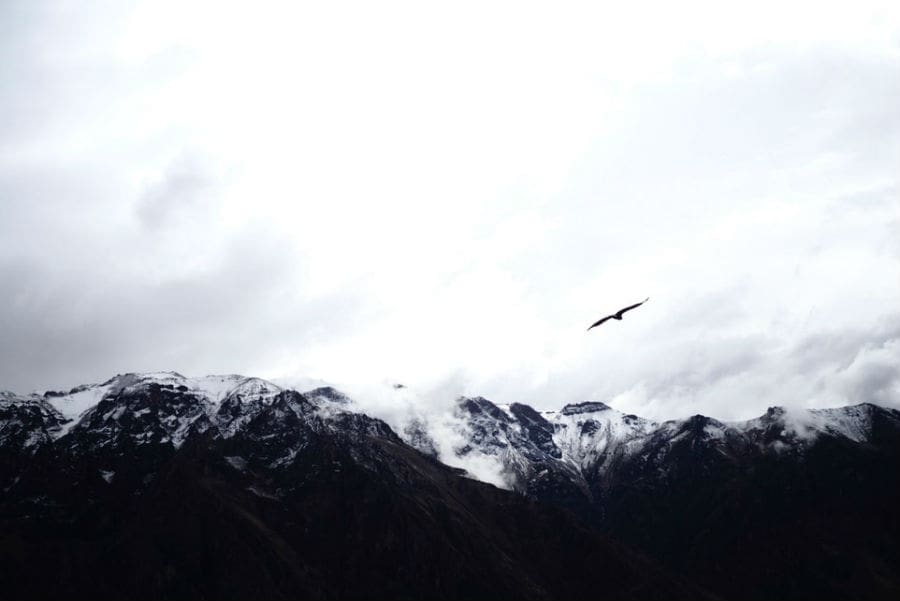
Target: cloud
pixel 361 202
pixel 873 375
pixel 241 313
pixel 181 187
pixel 828 368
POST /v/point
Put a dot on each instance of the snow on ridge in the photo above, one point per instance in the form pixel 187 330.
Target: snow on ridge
pixel 214 387
pixel 585 433
pixel 853 422
pixel 593 430
pixel 327 395
pixel 505 408
pixel 715 430
pixel 254 388
pixel 8 396
pixel 75 405
pixel 300 384
pixel 591 435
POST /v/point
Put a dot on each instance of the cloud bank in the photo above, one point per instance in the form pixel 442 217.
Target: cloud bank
pixel 447 198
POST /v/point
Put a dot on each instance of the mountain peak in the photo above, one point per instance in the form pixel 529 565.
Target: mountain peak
pixel 480 405
pixel 584 407
pixel 255 387
pixel 775 412
pixel 327 393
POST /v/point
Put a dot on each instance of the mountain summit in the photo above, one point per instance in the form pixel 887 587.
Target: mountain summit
pixel 158 486
pixel 161 486
pixel 810 498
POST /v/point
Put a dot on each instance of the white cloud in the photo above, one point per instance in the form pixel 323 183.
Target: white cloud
pixel 356 192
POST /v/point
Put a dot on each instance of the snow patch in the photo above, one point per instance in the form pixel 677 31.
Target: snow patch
pixel 214 388
pixel 74 405
pixel 505 408
pixel 586 437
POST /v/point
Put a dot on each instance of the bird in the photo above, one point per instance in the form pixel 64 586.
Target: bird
pixel 618 314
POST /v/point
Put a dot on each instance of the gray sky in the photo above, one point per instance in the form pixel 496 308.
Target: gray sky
pixel 447 196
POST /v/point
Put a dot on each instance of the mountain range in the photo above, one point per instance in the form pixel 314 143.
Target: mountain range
pixel 160 486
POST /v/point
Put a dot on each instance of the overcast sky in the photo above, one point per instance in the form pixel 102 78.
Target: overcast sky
pixel 447 195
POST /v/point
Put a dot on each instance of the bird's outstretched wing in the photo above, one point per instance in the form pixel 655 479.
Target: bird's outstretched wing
pixel 618 314
pixel 621 312
pixel 598 322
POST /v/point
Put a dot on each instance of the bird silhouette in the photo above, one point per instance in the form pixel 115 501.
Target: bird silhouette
pixel 618 314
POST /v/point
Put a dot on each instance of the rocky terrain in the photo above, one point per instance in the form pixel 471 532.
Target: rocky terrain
pixel 159 486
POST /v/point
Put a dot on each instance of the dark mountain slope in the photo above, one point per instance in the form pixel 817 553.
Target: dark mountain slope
pixel 157 486
pixel 791 505
pixel 297 501
pixel 822 522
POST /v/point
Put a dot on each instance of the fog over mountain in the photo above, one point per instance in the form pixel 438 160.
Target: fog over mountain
pixel 447 197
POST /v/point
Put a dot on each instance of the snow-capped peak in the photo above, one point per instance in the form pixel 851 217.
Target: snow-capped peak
pixel 592 438
pixel 782 424
pixel 579 440
pixel 255 389
pixel 210 393
pixel 589 433
pixel 585 407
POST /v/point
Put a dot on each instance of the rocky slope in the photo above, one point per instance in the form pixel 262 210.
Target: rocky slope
pixel 157 486
pixel 793 505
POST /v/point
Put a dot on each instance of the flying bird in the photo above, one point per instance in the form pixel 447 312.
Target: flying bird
pixel 618 314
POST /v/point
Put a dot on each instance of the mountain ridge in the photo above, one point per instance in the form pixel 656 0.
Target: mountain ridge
pixel 71 406
pixel 157 492
pixel 809 498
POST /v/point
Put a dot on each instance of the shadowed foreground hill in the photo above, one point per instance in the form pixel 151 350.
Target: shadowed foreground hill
pixel 271 495
pixel 795 504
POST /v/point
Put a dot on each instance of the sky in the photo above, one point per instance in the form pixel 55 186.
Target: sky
pixel 446 195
